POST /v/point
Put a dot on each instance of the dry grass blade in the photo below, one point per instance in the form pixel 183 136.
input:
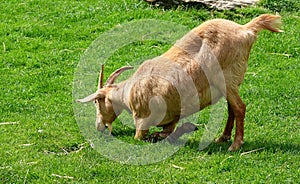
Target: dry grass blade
pixel 282 54
pixel 248 152
pixel 26 176
pixel 64 177
pixel 9 123
pixel 177 167
pixel 225 159
pixel 26 145
pixel 4 47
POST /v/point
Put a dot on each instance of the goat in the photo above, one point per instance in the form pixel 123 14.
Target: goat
pixel 213 56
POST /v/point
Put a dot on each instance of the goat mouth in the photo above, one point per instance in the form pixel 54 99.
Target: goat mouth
pixel 103 128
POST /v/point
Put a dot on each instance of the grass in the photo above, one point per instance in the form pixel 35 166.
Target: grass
pixel 42 43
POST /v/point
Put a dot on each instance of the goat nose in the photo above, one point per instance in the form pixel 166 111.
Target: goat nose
pixel 99 125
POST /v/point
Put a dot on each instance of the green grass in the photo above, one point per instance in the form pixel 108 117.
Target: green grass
pixel 42 43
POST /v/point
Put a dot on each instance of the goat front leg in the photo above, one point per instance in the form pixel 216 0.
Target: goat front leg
pixel 239 111
pixel 229 126
pixel 140 134
pixel 142 129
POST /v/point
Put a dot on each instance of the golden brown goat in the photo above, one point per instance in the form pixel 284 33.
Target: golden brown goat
pixel 208 63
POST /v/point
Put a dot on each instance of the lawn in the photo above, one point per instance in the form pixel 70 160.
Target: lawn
pixel 44 41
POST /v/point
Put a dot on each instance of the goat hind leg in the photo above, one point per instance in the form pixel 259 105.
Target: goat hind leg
pixel 239 110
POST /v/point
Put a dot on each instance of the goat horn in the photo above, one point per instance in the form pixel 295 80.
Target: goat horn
pixel 111 79
pixel 88 98
pixel 100 83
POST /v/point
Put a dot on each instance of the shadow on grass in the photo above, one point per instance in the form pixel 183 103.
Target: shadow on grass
pixel 248 146
pixel 127 134
pixel 272 146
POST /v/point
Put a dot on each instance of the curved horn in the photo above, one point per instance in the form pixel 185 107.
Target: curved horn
pixel 98 94
pixel 100 83
pixel 111 79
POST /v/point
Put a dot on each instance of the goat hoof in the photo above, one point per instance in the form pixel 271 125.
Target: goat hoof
pixel 155 137
pixel 235 146
pixel 223 138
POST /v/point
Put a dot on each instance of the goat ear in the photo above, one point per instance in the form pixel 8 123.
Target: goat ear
pixel 97 95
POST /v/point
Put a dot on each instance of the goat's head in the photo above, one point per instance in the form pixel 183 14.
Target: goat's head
pixel 106 113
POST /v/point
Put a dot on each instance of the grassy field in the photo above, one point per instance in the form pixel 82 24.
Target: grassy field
pixel 42 43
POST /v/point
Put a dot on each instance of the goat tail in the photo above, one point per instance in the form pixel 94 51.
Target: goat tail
pixel 265 21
